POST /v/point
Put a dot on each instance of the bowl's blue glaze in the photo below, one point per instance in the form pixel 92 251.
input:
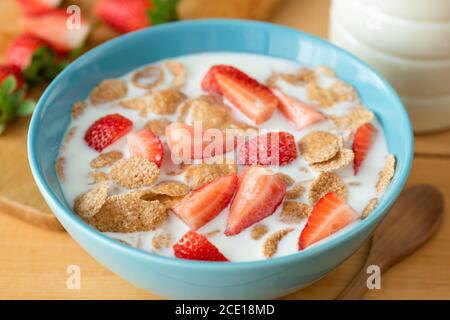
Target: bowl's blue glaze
pixel 177 278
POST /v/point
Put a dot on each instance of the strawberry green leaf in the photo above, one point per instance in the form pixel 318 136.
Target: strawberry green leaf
pixel 9 85
pixel 26 108
pixel 163 11
pixel 44 66
pixel 12 102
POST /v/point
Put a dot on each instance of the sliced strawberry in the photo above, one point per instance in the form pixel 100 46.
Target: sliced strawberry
pixel 52 26
pixel 39 6
pixel 259 194
pixel 146 144
pixel 298 113
pixel 194 246
pixel 204 204
pixel 107 130
pixel 273 148
pixel 252 98
pixel 364 138
pixel 187 142
pixel 124 15
pixel 11 70
pixel 329 215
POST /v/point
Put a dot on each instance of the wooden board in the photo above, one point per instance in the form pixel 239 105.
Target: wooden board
pixel 33 262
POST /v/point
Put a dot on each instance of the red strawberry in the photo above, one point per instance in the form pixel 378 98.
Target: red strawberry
pixel 273 148
pixel 107 130
pixel 8 70
pixel 187 142
pixel 329 215
pixel 364 138
pixel 21 50
pixel 124 15
pixel 204 204
pixel 299 114
pixel 259 194
pixel 52 26
pixel 194 246
pixel 147 145
pixel 255 100
pixel 39 6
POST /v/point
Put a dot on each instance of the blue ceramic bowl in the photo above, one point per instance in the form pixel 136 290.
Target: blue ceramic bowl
pixel 176 278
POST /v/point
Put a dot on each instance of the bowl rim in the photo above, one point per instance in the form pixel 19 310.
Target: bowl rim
pixel 150 257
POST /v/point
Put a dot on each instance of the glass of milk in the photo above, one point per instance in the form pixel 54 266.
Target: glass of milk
pixel 408 41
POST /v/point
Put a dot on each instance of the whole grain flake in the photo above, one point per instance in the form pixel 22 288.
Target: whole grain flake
pixel 178 72
pixel 148 77
pixel 327 182
pixel 166 101
pixel 341 160
pixel 134 172
pixel 294 212
pixel 127 212
pixel 60 168
pixel 319 146
pixel 270 246
pixel 386 174
pixel 108 90
pixel 89 204
pixel 296 191
pixel 139 104
pixel 353 118
pixel 258 231
pixel 171 188
pixel 158 126
pixel 369 208
pixel 161 240
pixel 106 159
pixel 199 175
pixel 78 108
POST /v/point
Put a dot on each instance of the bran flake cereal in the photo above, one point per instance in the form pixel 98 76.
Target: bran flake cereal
pixel 139 104
pixel 319 146
pixel 89 204
pixel 161 240
pixel 386 174
pixel 148 77
pixel 258 231
pixel 78 108
pixel 158 126
pixel 106 159
pixel 166 101
pixel 270 246
pixel 294 212
pixel 134 172
pixel 327 182
pixel 296 191
pixel 178 72
pixel 199 175
pixel 127 212
pixel 369 208
pixel 108 90
pixel 342 159
pixel 355 117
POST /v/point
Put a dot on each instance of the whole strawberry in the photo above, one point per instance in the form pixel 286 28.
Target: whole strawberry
pixel 34 57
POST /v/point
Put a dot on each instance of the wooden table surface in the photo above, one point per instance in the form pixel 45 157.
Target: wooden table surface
pixel 33 262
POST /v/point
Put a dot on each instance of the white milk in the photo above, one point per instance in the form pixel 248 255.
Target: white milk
pixel 240 247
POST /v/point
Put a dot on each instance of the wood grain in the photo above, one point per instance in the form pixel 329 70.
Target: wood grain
pixel 33 262
pixel 412 220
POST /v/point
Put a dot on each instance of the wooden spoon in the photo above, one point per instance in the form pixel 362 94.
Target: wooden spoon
pixel 412 220
pixel 31 215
